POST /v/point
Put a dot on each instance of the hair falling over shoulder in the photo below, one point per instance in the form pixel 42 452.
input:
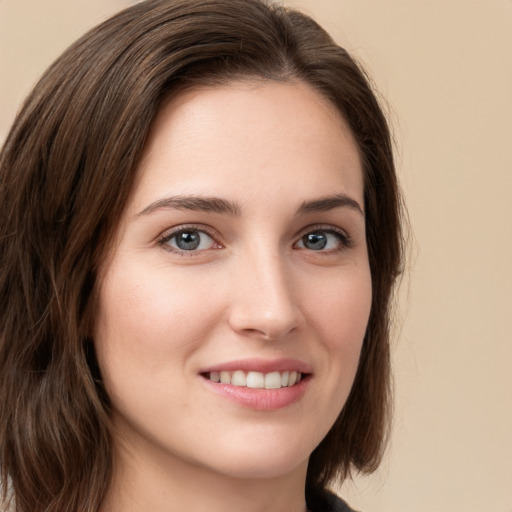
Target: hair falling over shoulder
pixel 66 170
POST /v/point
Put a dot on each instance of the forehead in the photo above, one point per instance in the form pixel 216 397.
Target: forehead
pixel 261 135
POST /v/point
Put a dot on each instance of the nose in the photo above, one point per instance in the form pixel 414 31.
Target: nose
pixel 264 303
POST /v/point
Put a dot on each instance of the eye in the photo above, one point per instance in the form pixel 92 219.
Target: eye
pixel 323 240
pixel 188 240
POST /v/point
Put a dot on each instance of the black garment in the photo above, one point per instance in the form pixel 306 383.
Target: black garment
pixel 325 501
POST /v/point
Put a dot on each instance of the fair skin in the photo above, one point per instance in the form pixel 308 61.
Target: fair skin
pixel 241 249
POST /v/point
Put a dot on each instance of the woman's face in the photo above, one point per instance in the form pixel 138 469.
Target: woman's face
pixel 241 256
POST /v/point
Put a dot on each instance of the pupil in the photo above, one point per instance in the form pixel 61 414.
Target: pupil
pixel 188 241
pixel 315 241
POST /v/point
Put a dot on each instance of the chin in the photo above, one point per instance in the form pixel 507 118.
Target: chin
pixel 261 459
pixel 263 467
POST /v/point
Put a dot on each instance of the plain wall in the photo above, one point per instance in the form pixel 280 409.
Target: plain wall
pixel 445 69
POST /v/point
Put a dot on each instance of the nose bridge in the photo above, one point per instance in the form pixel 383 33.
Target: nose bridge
pixel 265 304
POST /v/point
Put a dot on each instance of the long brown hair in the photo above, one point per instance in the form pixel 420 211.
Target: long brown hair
pixel 66 171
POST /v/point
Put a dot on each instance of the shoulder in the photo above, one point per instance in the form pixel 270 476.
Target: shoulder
pixel 326 501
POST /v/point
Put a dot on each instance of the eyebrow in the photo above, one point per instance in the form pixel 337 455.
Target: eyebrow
pixel 197 203
pixel 327 203
pixel 223 206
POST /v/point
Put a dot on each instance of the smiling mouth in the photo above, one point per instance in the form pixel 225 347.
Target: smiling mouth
pixel 256 380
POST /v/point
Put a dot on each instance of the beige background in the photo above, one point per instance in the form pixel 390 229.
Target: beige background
pixel 445 69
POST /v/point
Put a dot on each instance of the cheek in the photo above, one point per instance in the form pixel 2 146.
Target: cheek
pixel 145 316
pixel 341 309
pixel 340 317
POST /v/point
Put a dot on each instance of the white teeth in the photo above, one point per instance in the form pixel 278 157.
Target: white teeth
pixel 255 380
pixel 272 380
pixel 239 378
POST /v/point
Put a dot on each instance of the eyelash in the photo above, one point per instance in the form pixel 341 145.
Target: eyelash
pixel 168 236
pixel 344 239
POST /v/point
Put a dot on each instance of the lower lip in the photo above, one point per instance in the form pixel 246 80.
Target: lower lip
pixel 260 399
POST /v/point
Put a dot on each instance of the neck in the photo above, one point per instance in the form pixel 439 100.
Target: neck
pixel 172 485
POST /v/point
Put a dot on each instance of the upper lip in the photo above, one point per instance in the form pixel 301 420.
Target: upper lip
pixel 261 365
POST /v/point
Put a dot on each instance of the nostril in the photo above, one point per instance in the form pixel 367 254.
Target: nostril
pixel 257 332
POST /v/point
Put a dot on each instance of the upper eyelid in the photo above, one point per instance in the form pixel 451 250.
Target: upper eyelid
pixel 170 232
pixel 323 227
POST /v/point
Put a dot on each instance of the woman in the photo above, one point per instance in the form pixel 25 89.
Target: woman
pixel 200 237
